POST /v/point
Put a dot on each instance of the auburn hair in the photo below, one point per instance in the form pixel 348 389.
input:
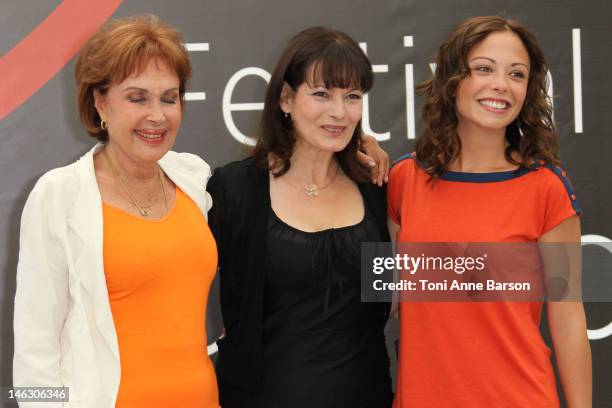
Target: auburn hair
pixel 121 48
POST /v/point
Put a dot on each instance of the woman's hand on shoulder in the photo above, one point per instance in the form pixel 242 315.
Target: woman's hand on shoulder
pixel 371 155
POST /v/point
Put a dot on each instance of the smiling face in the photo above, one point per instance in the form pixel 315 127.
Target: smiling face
pixel 492 95
pixel 143 114
pixel 323 118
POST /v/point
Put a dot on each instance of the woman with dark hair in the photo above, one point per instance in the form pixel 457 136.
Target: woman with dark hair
pixel 289 221
pixel 486 170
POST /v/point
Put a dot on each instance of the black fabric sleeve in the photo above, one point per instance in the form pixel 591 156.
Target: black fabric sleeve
pixel 216 214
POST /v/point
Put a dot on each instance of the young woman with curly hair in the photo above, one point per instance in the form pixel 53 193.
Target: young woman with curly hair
pixel 486 170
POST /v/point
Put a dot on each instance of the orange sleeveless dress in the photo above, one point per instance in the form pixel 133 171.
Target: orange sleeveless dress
pixel 158 274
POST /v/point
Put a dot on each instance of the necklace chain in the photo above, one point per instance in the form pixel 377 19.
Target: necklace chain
pixel 144 210
pixel 311 189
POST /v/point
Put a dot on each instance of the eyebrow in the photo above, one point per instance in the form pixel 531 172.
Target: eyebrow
pixel 322 85
pixel 493 61
pixel 135 88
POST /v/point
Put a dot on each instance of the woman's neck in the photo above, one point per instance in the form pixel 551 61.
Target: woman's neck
pixel 129 170
pixel 310 165
pixel 482 151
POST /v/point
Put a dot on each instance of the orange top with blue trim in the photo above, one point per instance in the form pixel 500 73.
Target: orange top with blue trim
pixel 158 275
pixel 475 355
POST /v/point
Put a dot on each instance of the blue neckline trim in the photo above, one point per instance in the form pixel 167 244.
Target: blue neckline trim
pixel 505 175
pixel 484 177
pixel 402 158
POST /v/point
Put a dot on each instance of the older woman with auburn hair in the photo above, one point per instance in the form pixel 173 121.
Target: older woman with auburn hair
pixel 486 170
pixel 116 257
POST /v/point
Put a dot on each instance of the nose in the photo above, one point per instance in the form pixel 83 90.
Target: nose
pixel 337 108
pixel 156 113
pixel 499 82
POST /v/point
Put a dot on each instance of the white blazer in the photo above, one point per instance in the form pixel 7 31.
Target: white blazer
pixel 64 330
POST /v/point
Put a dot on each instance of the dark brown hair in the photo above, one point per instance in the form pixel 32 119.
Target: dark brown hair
pixel 122 48
pixel 531 134
pixel 317 54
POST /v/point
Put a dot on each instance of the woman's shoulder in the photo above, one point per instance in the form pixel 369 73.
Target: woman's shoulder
pixel 187 162
pixel 66 179
pixel 237 182
pixel 58 181
pixel 405 167
pixel 237 172
pixel 548 174
pixel 54 194
pixel 236 188
pixel 552 180
pixel 405 163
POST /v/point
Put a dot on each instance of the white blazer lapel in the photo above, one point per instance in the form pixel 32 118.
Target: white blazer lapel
pixel 86 221
pixel 190 173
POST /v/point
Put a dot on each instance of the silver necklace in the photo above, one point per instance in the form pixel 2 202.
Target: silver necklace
pixel 144 210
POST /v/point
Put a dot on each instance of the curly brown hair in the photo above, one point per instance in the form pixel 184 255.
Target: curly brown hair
pixel 317 54
pixel 532 134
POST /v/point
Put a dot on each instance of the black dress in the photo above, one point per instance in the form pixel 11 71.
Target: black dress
pixel 322 347
pixel 297 333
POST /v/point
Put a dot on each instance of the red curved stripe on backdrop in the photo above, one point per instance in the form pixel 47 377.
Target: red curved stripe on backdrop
pixel 31 63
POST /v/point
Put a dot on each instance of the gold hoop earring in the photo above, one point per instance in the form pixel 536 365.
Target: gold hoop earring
pixel 103 124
